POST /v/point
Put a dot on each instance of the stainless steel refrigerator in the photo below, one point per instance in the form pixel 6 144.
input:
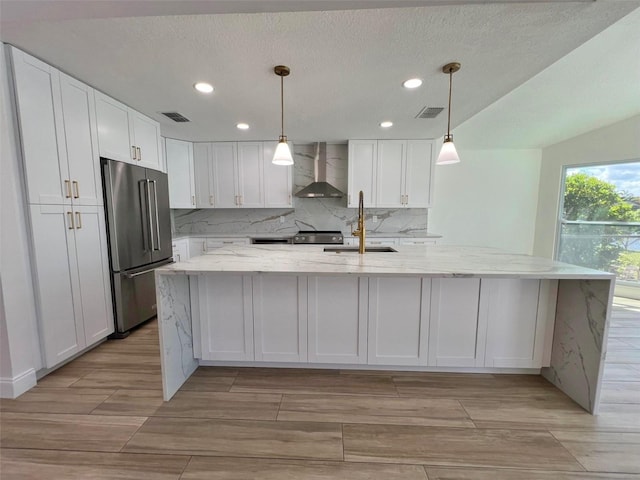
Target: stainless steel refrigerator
pixel 139 230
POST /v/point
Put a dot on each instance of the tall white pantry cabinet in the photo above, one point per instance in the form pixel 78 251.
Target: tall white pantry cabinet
pixel 61 163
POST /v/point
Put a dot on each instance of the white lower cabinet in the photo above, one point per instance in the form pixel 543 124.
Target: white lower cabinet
pixel 226 317
pixel 398 320
pixel 338 319
pixel 180 250
pixel 72 282
pixel 515 326
pixel 455 337
pixel 280 318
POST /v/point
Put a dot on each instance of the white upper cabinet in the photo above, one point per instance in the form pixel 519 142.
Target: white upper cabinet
pixel 59 134
pixel 113 129
pixel 250 168
pixel 278 180
pixel 81 139
pixel 144 134
pixel 363 156
pixel 391 173
pixel 179 156
pixel 231 175
pixel 38 100
pixel 126 135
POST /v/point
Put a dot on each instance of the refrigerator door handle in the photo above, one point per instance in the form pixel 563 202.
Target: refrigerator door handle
pixel 155 197
pixel 148 191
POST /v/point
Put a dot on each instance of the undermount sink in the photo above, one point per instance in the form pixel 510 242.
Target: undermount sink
pixel 355 249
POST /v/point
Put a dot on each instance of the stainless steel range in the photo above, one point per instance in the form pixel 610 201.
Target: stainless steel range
pixel 318 237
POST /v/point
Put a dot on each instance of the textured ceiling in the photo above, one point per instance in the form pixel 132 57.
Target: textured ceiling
pixel 346 66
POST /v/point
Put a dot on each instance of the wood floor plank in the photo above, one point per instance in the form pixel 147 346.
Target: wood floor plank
pixel 378 410
pixel 56 400
pixel 120 379
pixel 455 447
pixel 220 468
pixel 606 457
pixel 133 360
pixel 140 403
pixel 436 473
pixel 620 392
pixel 210 379
pixel 241 406
pixel 67 432
pixel 65 376
pixel 59 465
pixel 242 438
pixel 442 385
pixel 314 383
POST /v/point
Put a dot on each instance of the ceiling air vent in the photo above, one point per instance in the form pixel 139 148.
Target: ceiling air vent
pixel 176 117
pixel 429 112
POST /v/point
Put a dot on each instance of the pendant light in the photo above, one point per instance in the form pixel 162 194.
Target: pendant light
pixel 282 155
pixel 448 153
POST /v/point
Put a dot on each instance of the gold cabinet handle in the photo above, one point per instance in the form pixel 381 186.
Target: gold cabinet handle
pixel 406 199
pixel 78 220
pixel 139 153
pixel 236 197
pixel 70 220
pixel 133 148
pixel 193 199
pixel 210 199
pixel 67 186
pixel 76 189
pixel 240 199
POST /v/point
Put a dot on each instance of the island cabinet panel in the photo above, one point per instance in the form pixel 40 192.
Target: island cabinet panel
pixel 280 318
pixel 514 337
pixel 398 320
pixel 226 317
pixel 455 337
pixel 338 319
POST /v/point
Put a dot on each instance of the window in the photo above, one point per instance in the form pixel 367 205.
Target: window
pixel 600 219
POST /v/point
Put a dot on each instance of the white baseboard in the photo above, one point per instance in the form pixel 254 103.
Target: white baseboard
pixel 16 386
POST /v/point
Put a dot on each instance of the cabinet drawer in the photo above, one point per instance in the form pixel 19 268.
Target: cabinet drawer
pixel 212 243
pixel 416 241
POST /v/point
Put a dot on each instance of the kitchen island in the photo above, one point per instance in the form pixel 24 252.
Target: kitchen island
pixel 427 308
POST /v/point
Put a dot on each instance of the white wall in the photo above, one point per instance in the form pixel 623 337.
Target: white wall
pixel 18 329
pixel 617 142
pixel 489 199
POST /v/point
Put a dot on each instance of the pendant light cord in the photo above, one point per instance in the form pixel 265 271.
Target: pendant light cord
pixel 282 106
pixel 449 115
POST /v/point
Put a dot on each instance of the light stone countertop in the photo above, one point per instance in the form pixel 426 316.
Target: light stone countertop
pixel 182 236
pixel 430 261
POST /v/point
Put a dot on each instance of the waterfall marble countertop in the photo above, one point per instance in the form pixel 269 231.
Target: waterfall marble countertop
pixel 429 261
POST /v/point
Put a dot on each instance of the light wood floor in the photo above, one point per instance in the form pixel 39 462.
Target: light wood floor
pixel 102 417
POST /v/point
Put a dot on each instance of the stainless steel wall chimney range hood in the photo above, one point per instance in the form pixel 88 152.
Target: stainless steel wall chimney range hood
pixel 320 188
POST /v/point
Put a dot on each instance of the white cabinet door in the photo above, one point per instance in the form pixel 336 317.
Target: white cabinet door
pixel 40 117
pixel 224 175
pixel 419 174
pixel 398 320
pixel 250 174
pixel 363 155
pixel 203 171
pixel 338 319
pixel 390 173
pixel 56 282
pixel 511 309
pixel 93 273
pixel 113 129
pixel 180 249
pixel 144 133
pixel 180 173
pixel 226 317
pixel 197 247
pixel 278 182
pixel 455 338
pixel 81 139
pixel 280 318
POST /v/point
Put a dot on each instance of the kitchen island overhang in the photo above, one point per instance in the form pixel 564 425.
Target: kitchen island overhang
pixel 241 305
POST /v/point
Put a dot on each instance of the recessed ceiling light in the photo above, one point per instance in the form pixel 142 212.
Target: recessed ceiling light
pixel 412 83
pixel 203 87
pixel 386 124
pixel 242 126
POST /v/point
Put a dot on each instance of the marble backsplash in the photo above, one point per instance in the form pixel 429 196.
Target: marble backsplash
pixel 308 213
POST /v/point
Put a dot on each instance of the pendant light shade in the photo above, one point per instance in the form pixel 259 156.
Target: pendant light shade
pixel 282 155
pixel 448 153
